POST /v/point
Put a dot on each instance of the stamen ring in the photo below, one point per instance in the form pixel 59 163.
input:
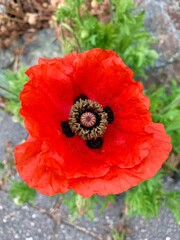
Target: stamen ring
pixel 88 119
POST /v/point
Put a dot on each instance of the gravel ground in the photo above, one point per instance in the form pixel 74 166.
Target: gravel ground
pixel 10 131
pixel 22 222
pixel 26 223
pixel 162 228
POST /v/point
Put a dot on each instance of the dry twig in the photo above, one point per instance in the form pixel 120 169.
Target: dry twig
pixel 58 220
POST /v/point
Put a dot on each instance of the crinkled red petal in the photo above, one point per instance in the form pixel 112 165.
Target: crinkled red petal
pixel 40 167
pixel 119 180
pixel 101 75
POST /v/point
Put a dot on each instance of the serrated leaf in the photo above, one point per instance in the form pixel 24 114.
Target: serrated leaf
pixel 21 193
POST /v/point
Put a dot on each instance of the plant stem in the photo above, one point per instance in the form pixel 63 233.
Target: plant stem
pixel 111 8
pixel 174 102
pixel 74 35
pixel 78 43
pixel 9 91
pixel 78 10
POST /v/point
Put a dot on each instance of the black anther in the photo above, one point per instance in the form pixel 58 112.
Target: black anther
pixel 95 143
pixel 66 129
pixel 110 114
pixel 81 96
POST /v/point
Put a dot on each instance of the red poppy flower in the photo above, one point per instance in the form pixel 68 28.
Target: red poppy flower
pixel 90 127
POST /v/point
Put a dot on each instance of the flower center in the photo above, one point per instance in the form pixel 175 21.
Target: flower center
pixel 89 120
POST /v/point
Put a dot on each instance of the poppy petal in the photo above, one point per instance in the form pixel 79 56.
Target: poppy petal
pixel 44 102
pixel 118 180
pixel 92 78
pixel 39 167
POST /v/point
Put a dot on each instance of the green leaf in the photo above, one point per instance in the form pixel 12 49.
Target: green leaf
pixel 125 33
pixel 172 200
pixel 1 166
pixel 117 236
pixel 165 108
pixel 86 206
pixel 147 198
pixel 20 193
pixel 14 82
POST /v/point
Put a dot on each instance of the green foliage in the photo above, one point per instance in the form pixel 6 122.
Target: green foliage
pixel 165 108
pixel 147 198
pixel 86 206
pixel 70 201
pixel 117 236
pixel 21 193
pixel 13 83
pixel 171 201
pixel 1 166
pixel 144 199
pixel 125 33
